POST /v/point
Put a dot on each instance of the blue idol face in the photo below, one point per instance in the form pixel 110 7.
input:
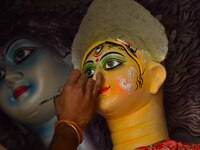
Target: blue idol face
pixel 30 74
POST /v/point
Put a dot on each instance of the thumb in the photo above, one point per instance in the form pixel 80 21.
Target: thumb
pixel 98 83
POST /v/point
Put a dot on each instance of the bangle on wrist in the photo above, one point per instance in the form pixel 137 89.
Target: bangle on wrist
pixel 77 128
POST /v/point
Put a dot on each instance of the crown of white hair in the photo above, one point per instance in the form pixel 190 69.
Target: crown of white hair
pixel 124 19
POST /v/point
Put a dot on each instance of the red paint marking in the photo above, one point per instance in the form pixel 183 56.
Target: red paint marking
pixel 20 90
pixel 104 89
pixel 97 60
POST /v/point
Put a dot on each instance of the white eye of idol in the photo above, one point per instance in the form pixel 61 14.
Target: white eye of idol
pixel 112 64
pixel 22 53
pixel 90 72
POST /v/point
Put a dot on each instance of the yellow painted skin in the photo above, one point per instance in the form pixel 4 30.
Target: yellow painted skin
pixel 131 97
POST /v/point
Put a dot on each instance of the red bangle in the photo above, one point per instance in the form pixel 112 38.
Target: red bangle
pixel 77 128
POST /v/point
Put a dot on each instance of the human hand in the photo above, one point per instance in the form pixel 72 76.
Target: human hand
pixel 77 101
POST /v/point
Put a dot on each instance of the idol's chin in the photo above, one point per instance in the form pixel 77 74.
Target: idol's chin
pixel 104 107
pixel 41 115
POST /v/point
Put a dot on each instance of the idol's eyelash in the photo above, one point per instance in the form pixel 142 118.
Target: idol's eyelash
pixel 116 59
pixel 113 59
pixel 87 66
pixel 29 49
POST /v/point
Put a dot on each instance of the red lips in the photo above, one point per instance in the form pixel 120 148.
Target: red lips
pixel 104 89
pixel 20 90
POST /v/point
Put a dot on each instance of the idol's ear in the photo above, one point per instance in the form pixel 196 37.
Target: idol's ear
pixel 157 75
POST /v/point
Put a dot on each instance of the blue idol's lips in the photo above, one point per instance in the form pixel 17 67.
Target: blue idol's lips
pixel 20 91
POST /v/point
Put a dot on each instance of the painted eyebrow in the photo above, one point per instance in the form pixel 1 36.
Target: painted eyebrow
pixel 111 53
pixel 89 61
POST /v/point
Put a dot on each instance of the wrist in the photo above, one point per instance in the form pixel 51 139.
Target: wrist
pixel 64 138
pixel 66 132
pixel 69 126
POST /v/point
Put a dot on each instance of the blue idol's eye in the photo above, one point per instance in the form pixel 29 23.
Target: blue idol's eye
pixel 2 74
pixel 112 64
pixel 22 53
pixel 89 72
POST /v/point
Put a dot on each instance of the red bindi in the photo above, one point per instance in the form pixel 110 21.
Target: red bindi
pixel 97 60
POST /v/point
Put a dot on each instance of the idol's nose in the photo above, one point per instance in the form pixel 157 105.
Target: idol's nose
pixel 12 76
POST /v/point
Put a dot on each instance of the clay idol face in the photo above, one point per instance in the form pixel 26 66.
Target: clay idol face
pixel 30 74
pixel 123 78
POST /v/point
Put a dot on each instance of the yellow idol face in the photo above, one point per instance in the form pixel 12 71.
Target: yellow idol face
pixel 123 78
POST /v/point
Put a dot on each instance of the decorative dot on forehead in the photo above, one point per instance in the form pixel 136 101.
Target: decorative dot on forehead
pixel 98 50
pixel 97 60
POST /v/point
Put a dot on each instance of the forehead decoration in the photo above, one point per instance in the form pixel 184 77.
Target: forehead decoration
pixel 135 24
pixel 96 49
pixel 129 47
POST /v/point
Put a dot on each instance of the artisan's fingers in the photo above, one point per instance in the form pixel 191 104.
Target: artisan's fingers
pixel 60 90
pixel 73 77
pixel 98 83
pixel 82 81
pixel 89 87
pixel 56 101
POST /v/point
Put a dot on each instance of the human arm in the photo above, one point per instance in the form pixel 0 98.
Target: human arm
pixel 77 103
pixel 64 138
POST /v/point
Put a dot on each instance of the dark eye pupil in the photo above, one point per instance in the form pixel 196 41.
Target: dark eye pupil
pixel 20 54
pixel 99 47
pixel 110 63
pixel 89 72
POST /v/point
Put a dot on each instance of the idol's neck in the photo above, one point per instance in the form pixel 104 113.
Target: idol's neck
pixel 44 131
pixel 141 128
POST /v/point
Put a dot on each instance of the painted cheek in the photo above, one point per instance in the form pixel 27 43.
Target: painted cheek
pixel 118 89
pixel 29 64
pixel 114 86
pixel 126 83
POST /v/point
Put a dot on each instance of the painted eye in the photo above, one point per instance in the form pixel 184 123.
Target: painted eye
pixel 22 54
pixel 112 64
pixel 90 72
pixel 2 74
pixel 98 48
